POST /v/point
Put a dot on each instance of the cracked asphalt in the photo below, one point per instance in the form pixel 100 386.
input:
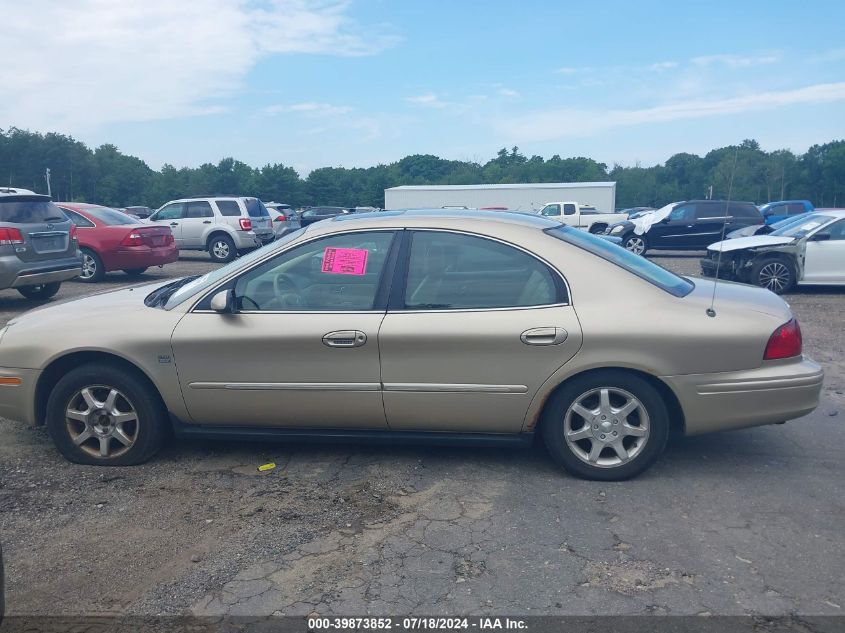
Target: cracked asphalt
pixel 748 522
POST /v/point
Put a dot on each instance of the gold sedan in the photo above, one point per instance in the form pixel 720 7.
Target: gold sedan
pixel 415 326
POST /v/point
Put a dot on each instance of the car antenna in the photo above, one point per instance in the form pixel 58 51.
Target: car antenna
pixel 711 311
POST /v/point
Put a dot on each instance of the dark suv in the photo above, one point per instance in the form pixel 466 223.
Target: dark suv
pixel 690 225
pixel 38 246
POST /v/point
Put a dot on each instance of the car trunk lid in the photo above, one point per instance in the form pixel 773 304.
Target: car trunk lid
pixel 36 229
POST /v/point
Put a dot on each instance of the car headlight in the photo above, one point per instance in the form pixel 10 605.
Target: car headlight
pixel 616 230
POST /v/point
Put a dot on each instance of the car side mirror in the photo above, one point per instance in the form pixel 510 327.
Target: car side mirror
pixel 820 237
pixel 224 301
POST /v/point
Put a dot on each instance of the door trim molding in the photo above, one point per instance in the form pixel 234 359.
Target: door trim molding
pixel 428 387
pixel 289 386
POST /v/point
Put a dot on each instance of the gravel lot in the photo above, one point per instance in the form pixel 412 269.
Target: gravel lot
pixel 748 522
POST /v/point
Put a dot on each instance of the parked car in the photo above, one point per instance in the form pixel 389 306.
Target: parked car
pixel 283 218
pixel 763 229
pixel 38 247
pixel 691 225
pixel 110 240
pixel 581 216
pixel 316 214
pixel 777 211
pixel 441 326
pixel 808 252
pixel 222 225
pixel 139 212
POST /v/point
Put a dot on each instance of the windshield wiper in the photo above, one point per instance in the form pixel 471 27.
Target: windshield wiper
pixel 158 298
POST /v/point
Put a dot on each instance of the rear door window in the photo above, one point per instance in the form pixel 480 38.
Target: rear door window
pixel 229 208
pixel 78 220
pixel 30 211
pixel 199 209
pixel 449 271
pixel 749 211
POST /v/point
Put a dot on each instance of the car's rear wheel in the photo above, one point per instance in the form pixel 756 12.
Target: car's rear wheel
pixel 773 273
pixel 41 291
pixel 607 425
pixel 222 248
pixel 135 272
pixel 92 266
pixel 637 244
pixel 102 414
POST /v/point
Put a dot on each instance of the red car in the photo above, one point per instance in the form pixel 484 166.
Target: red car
pixel 111 240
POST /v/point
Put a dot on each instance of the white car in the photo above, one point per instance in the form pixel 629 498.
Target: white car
pixel 806 252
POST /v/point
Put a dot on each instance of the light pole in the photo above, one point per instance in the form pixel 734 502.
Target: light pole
pixel 47 176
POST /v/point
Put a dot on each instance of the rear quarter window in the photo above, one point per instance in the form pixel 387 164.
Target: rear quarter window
pixel 30 211
pixel 229 208
pixel 749 211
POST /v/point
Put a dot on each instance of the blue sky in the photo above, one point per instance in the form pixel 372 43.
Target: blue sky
pixel 355 83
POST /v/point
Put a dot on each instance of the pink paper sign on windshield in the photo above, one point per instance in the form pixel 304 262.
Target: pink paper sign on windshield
pixel 345 261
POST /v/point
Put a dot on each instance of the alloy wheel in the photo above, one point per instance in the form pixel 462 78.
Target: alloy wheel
pixel 606 427
pixel 775 276
pixel 635 244
pixel 101 421
pixel 221 249
pixel 89 266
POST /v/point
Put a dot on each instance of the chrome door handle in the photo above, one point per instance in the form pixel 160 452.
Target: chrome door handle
pixel 206 221
pixel 544 336
pixel 345 338
pixel 174 224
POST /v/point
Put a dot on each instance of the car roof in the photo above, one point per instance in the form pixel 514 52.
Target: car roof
pixel 16 191
pixel 437 217
pixel 77 206
pixel 836 213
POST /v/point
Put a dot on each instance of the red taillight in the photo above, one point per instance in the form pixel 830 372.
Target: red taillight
pixel 785 342
pixel 134 238
pixel 10 236
pixel 246 224
pixel 73 231
pixel 281 218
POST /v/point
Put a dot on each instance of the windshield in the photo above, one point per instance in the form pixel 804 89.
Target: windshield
pixel 209 279
pixel 800 229
pixel 636 264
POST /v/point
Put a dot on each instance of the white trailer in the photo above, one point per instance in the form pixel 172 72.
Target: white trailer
pixel 520 197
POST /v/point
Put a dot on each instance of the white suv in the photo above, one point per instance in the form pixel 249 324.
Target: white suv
pixel 222 225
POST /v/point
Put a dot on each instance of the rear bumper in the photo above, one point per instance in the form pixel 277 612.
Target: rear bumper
pixel 247 239
pixel 142 257
pixel 15 273
pixel 776 392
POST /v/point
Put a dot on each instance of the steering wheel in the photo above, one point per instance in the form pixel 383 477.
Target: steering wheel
pixel 287 292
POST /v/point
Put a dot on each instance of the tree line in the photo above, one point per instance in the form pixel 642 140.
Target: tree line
pixel 107 176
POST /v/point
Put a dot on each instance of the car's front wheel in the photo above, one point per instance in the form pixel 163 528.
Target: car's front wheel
pixel 606 425
pixel 41 291
pixel 92 266
pixel 773 273
pixel 637 244
pixel 102 414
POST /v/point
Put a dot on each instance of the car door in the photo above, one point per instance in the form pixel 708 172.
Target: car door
pixel 472 333
pixel 171 215
pixel 824 258
pixel 198 215
pixel 673 231
pixel 711 218
pixel 301 349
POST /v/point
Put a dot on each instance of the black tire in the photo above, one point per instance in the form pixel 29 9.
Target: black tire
pixel 773 273
pixel 634 243
pixel 92 266
pixel 136 395
pixel 41 291
pixel 650 417
pixel 221 248
pixel 135 272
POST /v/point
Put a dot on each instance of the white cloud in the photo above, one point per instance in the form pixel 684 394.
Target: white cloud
pixel 309 109
pixel 735 61
pixel 663 66
pixel 428 100
pixel 508 92
pixel 573 70
pixel 562 123
pixel 78 64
